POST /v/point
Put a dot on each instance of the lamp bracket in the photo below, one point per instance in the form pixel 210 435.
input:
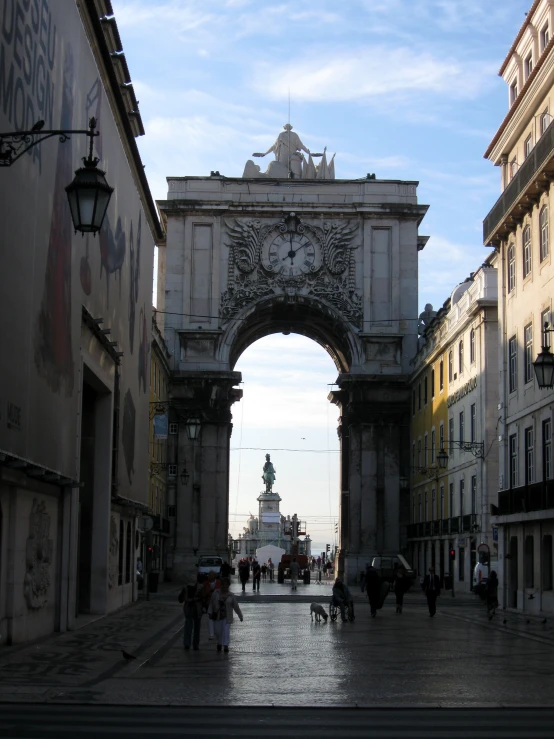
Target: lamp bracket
pixel 477 448
pixel 16 143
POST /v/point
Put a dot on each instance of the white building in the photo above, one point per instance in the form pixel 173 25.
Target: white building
pixel 518 226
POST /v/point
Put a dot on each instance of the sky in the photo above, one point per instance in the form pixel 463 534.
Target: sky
pixel 407 89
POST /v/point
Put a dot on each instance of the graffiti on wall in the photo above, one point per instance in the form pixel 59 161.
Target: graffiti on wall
pixel 53 346
pixel 38 557
pixel 128 434
pixel 112 251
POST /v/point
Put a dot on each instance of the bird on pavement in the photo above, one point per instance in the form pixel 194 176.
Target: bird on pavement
pixel 38 126
pixel 127 656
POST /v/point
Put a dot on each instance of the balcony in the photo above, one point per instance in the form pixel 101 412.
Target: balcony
pixel 532 178
pixel 524 499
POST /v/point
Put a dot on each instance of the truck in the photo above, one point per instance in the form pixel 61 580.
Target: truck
pixel 283 569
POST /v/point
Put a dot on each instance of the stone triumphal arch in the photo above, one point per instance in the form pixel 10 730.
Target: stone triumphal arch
pixel 292 249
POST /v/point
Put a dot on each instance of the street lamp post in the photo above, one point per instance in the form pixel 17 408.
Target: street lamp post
pixel 89 194
pixel 544 363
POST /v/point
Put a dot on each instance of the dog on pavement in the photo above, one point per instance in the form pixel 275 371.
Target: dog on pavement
pixel 319 612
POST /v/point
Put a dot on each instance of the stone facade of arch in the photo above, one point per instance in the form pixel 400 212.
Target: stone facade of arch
pixel 335 261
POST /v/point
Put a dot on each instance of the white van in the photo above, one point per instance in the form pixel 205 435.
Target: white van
pixel 480 575
pixel 209 562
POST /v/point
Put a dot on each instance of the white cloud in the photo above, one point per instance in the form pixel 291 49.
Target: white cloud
pixel 366 73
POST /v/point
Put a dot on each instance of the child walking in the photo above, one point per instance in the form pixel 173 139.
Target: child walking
pixel 220 611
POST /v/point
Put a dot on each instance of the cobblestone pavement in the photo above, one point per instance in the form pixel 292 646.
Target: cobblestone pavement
pixel 279 657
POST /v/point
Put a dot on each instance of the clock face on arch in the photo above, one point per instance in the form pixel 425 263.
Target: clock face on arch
pixel 291 254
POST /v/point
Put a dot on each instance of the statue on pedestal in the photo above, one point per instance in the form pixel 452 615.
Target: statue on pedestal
pixel 269 474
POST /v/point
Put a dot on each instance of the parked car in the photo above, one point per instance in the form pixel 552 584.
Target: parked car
pixel 386 567
pixel 209 562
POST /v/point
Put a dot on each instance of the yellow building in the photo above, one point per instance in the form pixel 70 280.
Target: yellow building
pixel 454 445
pixel 161 470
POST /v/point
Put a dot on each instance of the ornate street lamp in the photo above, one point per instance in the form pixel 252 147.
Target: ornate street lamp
pixel 88 194
pixel 442 459
pixel 184 476
pixel 193 426
pixel 544 363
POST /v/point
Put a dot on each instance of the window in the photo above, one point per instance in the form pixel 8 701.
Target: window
pixel 527 146
pixel 528 65
pixel 461 357
pixel 526 250
pixel 544 121
pixel 529 562
pixel 419 452
pixel 426 506
pixel 529 456
pixel 451 500
pixel 413 455
pixel 451 433
pixel 121 545
pixel 547 562
pixel 442 502
pixel 545 319
pixel 425 394
pixel 172 470
pixel 450 366
pixel 462 496
pixel 513 168
pixel 472 346
pixel 419 507
pixel 545 37
pixel 432 446
pixel 546 450
pixel 511 267
pixel 413 510
pixel 419 396
pixel 474 494
pixel 433 504
pixel 173 428
pixel 512 364
pixel 528 353
pixel 513 92
pixel 461 426
pixel 473 421
pixel 128 554
pixel 441 376
pixel 441 436
pixel 512 446
pixel 543 220
pixel 425 451
pixel 413 402
pixel 432 383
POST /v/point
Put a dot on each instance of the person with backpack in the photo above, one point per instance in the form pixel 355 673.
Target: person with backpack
pixel 210 584
pixel 191 597
pixel 222 604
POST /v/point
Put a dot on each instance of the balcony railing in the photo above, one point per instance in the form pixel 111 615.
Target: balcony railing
pixel 536 497
pixel 541 155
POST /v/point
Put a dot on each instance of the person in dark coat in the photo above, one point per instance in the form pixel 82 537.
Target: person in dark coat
pixel 244 573
pixel 373 589
pixel 400 585
pixel 492 594
pixel 225 570
pixel 432 590
pixel 256 574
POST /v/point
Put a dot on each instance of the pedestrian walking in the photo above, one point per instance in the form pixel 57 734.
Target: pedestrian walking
pixel 432 590
pixel 294 570
pixel 191 597
pixel 244 573
pixel 264 572
pixel 210 584
pixel 222 604
pixel 271 568
pixel 373 589
pixel 492 594
pixel 225 569
pixel 256 574
pixel 400 585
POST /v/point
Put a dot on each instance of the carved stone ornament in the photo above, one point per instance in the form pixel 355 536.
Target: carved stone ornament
pixel 114 554
pixel 38 556
pixel 259 266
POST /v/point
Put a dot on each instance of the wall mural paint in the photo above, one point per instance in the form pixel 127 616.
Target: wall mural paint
pixel 144 351
pixel 38 556
pixel 53 346
pixel 112 251
pixel 128 434
pixel 132 298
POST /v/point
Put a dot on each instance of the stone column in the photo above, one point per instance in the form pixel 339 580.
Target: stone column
pixel 373 431
pixel 202 503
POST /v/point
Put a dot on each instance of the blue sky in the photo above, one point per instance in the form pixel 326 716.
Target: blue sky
pixel 407 89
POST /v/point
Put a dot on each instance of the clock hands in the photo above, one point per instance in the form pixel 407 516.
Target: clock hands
pixel 292 252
